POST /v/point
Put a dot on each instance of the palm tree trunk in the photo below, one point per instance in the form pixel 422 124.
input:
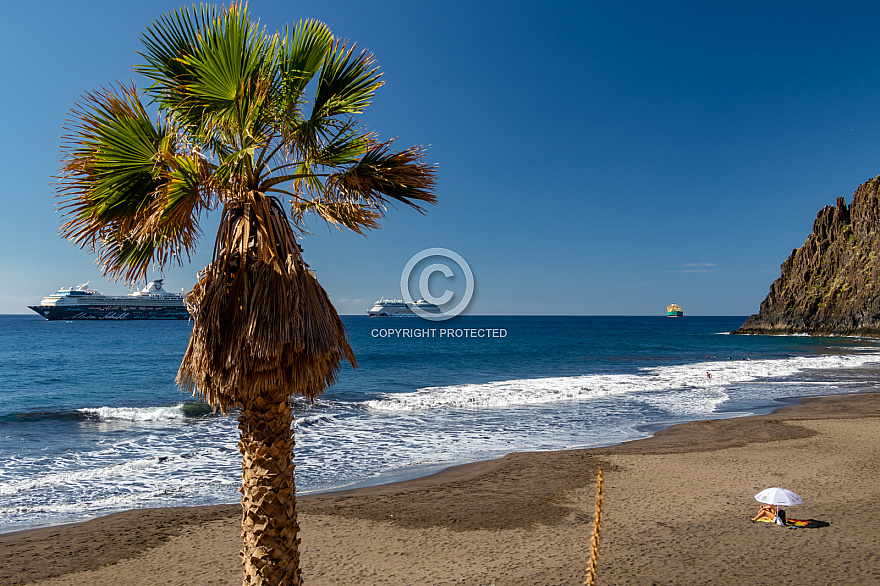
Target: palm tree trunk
pixel 270 548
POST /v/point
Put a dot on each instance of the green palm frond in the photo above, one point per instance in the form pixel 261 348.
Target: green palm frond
pixel 173 222
pixel 379 178
pixel 118 172
pixel 344 147
pixel 169 40
pixel 228 73
pixel 347 82
pixel 130 258
pixel 182 194
pixel 109 172
pixel 305 185
pixel 319 149
pixel 213 71
pixel 303 51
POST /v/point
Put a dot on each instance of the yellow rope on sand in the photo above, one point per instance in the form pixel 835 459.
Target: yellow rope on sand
pixel 590 580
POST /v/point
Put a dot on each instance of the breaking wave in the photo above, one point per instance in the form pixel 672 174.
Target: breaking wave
pixel 694 377
pixel 179 411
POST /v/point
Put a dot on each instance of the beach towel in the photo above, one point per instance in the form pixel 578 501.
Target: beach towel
pixel 805 523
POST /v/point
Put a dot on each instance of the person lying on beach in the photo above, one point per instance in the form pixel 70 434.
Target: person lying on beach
pixel 766 512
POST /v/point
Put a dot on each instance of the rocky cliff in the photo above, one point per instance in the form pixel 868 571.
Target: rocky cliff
pixel 831 284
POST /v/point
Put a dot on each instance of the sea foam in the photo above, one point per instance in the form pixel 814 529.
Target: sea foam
pixel 77 476
pixel 178 411
pixel 709 377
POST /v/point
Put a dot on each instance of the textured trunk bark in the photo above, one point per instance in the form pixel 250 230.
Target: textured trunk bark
pixel 270 548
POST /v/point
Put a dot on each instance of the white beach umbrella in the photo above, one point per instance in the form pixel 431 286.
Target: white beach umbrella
pixel 781 497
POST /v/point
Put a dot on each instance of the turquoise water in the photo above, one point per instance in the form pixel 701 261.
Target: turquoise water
pixel 91 421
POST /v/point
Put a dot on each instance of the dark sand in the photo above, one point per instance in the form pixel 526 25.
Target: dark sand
pixel 677 510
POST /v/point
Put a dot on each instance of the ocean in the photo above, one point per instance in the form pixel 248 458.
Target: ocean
pixel 92 423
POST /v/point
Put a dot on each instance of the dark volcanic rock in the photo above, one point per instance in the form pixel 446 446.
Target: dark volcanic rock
pixel 827 285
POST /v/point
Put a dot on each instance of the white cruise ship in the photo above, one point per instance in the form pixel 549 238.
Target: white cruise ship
pixel 151 302
pixel 399 308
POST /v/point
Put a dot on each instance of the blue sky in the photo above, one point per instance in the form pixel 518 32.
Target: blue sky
pixel 595 158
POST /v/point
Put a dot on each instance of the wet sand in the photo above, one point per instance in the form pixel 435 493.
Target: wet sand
pixel 676 511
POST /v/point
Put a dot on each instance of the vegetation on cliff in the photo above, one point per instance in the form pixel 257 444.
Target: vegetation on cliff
pixel 827 286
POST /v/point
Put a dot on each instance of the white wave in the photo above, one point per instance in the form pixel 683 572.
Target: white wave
pixel 123 501
pixel 61 478
pixel 685 402
pixel 662 378
pixel 137 413
pixel 502 393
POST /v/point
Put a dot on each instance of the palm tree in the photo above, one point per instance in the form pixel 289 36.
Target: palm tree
pixel 246 123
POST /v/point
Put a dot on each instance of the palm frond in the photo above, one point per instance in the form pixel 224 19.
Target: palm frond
pixel 127 258
pixel 214 71
pixel 303 51
pixel 350 215
pixel 109 150
pixel 109 174
pixel 173 219
pixel 344 146
pixel 118 170
pixel 226 71
pixel 167 42
pixel 347 82
pixel 382 175
pixel 336 151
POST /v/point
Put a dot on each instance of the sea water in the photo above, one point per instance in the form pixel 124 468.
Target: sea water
pixel 91 421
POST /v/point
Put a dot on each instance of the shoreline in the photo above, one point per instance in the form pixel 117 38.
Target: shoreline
pixel 518 497
pixel 400 477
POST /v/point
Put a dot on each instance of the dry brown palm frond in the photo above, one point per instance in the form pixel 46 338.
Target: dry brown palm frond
pixel 383 176
pixel 352 216
pixel 261 321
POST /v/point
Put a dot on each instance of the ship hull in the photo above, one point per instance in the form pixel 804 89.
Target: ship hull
pixel 104 313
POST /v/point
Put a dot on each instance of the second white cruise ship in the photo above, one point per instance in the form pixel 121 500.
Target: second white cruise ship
pixel 399 308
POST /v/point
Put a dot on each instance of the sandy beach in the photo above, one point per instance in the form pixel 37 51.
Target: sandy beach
pixel 677 509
